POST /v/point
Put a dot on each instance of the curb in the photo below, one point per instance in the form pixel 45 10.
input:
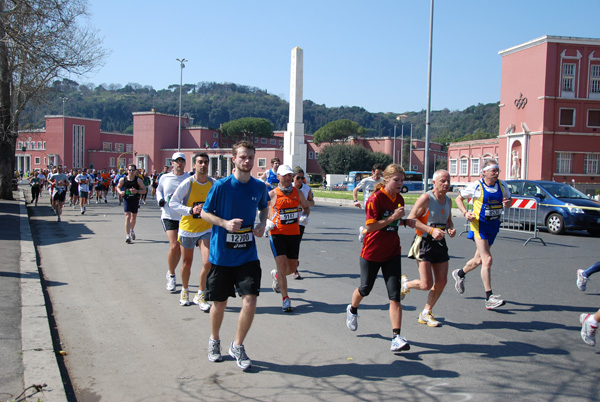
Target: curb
pixel 39 360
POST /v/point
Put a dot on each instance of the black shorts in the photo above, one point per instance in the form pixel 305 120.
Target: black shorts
pixel 391 270
pixel 74 191
pixel 60 197
pixel 288 245
pixel 430 250
pixel 131 204
pixel 223 281
pixel 170 224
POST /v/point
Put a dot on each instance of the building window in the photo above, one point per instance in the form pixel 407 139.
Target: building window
pixel 566 117
pixel 593 118
pixel 591 163
pixel 263 141
pixel 464 164
pixel 36 160
pixel 563 162
pixel 111 162
pixel 453 167
pixel 107 146
pixel 311 155
pixel 256 140
pixel 122 163
pixel 281 142
pixel 39 145
pixel 475 167
pixel 129 148
pixel 273 141
pixel 20 146
pixel 568 78
pixel 262 162
pixel 120 147
pixel 215 134
pixel 44 145
pixel 316 155
pixel 79 147
pixel 595 80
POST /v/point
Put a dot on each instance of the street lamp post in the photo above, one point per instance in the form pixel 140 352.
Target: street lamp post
pixel 64 100
pixel 427 122
pixel 181 67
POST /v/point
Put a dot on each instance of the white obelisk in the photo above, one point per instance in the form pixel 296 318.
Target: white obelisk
pixel 294 147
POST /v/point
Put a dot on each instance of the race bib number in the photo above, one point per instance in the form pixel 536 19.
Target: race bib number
pixel 60 189
pixel 242 239
pixel 493 212
pixel 289 216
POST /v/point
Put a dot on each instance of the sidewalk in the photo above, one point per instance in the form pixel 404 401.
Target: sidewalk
pixel 26 349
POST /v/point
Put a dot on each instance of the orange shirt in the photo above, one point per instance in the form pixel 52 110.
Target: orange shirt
pixel 285 213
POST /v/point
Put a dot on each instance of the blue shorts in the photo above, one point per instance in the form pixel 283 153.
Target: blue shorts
pixel 131 205
pixel 490 237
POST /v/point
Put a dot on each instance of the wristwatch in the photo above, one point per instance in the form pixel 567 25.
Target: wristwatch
pixel 191 211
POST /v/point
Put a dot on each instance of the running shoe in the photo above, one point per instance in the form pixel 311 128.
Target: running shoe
pixel 428 319
pixel 239 354
pixel 58 220
pixel 171 283
pixel 132 233
pixel 184 299
pixel 351 319
pixel 201 301
pixel 588 331
pixel 361 233
pixel 403 289
pixel 494 302
pixel 296 275
pixel 459 282
pixel 275 285
pixel 105 201
pixel 214 350
pixel 287 305
pixel 128 240
pixel 581 279
pixel 399 343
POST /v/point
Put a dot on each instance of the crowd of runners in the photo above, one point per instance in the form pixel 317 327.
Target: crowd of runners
pixel 224 217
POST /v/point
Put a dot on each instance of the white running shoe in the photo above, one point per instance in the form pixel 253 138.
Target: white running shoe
pixel 132 233
pixel 581 279
pixel 494 302
pixel 588 331
pixel 184 299
pixel 214 350
pixel 239 354
pixel 200 300
pixel 171 282
pixel 428 319
pixel 459 283
pixel 351 319
pixel 399 343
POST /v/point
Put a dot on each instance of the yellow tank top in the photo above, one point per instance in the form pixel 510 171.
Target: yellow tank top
pixel 195 196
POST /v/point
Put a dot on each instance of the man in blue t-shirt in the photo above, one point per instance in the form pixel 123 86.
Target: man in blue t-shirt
pixel 231 207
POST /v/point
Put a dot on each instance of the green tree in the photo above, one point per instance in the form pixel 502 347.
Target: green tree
pixel 41 41
pixel 248 127
pixel 341 158
pixel 338 130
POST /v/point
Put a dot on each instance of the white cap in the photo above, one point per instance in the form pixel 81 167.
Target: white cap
pixel 284 169
pixel 178 155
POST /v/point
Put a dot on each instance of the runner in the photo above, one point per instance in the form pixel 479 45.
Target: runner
pixel 83 182
pixel 154 183
pixel 433 218
pixel 231 208
pixel 489 196
pixel 130 187
pixel 73 189
pixel 285 235
pixel 116 180
pixel 36 181
pixel 169 217
pixel 381 250
pixel 146 180
pixel 299 183
pixel 270 176
pixel 193 230
pixel 60 183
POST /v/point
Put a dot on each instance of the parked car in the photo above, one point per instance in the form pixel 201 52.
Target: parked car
pixel 558 206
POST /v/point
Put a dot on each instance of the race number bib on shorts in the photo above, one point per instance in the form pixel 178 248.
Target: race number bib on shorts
pixel 241 239
pixel 289 216
pixel 493 212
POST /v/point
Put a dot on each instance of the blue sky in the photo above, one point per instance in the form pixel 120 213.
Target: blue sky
pixel 371 54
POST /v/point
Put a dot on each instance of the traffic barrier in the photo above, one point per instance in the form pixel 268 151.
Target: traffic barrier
pixel 521 216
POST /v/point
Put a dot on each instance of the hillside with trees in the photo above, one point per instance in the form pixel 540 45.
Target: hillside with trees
pixel 212 104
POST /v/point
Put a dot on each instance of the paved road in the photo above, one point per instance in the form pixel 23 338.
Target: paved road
pixel 127 338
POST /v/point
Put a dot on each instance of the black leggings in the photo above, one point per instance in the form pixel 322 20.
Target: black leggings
pixel 35 193
pixel 391 270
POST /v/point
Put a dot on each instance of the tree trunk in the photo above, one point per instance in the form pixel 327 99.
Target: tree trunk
pixel 7 136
